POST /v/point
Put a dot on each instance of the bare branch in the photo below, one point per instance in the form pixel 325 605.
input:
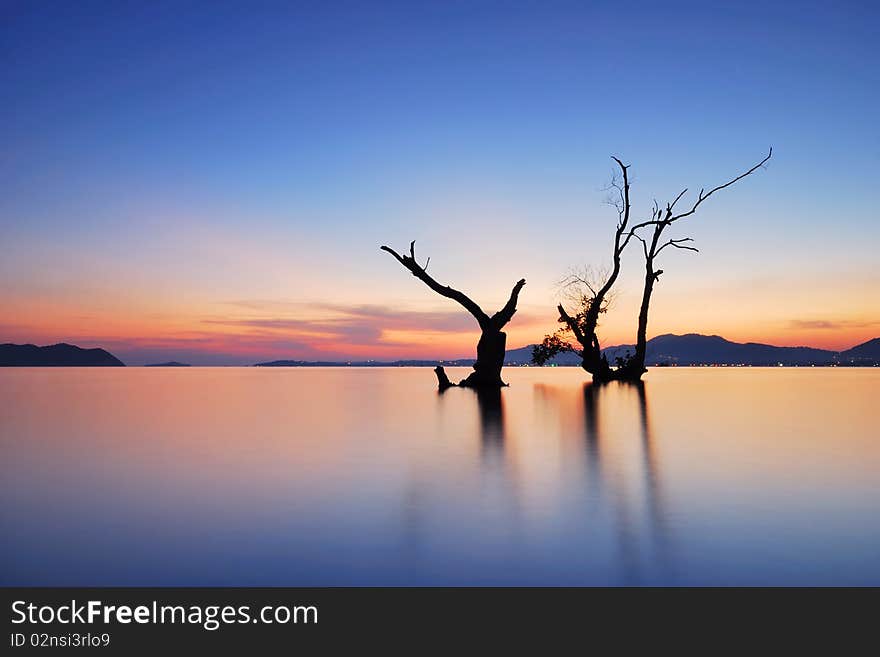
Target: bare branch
pixel 703 196
pixel 656 214
pixel 504 315
pixel 678 244
pixel 571 322
pixel 623 215
pixel 644 243
pixel 677 198
pixel 616 200
pixel 444 290
pixel 591 296
pixel 582 288
pixel 659 220
pixel 584 277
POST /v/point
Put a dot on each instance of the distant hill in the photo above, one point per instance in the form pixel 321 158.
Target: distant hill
pixel 865 353
pixel 56 355
pixel 669 349
pixel 523 356
pixel 696 349
pixel 170 363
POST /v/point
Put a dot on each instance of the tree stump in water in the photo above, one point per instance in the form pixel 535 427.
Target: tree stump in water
pixel 443 381
pixel 491 347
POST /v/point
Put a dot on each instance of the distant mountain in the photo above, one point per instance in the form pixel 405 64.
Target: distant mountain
pixel 170 363
pixel 668 349
pixel 56 355
pixel 865 353
pixel 523 356
pixel 696 349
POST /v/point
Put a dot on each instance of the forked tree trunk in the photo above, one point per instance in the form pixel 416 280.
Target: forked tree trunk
pixel 636 366
pixel 592 359
pixel 491 348
pixel 660 221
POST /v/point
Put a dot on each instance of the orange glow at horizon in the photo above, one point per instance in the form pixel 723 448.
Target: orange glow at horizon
pixel 235 336
pixel 145 313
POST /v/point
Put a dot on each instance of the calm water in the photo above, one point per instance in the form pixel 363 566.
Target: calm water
pixel 251 476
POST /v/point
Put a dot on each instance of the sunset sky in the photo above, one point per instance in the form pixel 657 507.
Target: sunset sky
pixel 211 182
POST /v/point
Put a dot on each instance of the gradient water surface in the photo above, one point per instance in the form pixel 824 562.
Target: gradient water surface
pixel 259 476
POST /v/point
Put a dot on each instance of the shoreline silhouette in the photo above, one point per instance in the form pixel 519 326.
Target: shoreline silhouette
pixel 693 350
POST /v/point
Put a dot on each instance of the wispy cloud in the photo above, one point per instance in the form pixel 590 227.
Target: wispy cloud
pixel 813 324
pixel 831 325
pixel 359 330
pixel 267 305
pixel 358 325
pixel 365 323
pixel 257 330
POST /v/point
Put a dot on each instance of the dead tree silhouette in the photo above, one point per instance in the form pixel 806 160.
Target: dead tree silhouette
pixel 593 297
pixel 493 341
pixel 652 246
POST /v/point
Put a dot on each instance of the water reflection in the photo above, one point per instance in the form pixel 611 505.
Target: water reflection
pixel 490 413
pixel 591 433
pixel 654 495
pixel 500 480
pixel 298 477
pixel 490 407
pixel 607 482
pixel 619 499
